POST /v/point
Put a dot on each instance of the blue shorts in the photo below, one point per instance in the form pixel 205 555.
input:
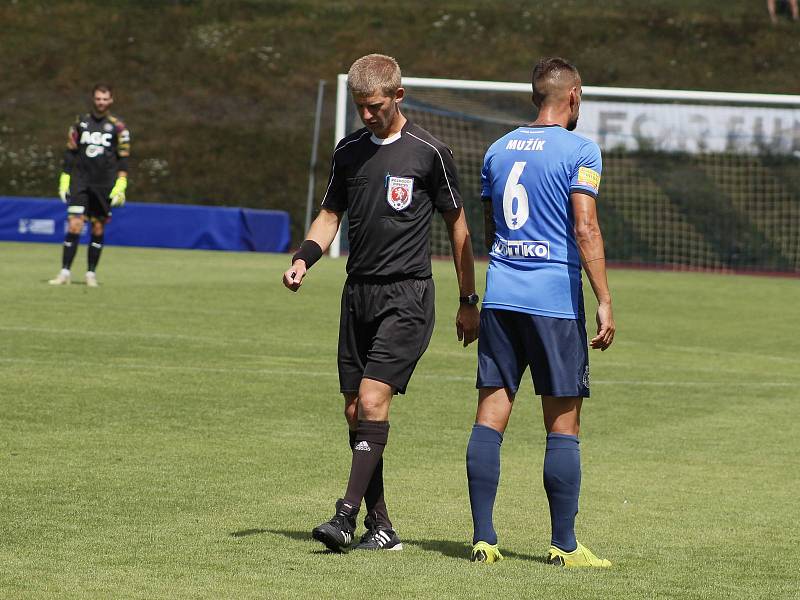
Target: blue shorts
pixel 554 349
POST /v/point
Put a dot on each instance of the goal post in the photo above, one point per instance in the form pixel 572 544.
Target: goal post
pixel 691 179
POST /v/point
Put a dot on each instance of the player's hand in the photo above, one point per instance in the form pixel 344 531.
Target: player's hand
pixel 63 187
pixel 468 322
pixel 293 278
pixel 117 194
pixel 605 327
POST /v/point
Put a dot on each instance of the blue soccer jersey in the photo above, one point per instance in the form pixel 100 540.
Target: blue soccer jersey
pixel 534 265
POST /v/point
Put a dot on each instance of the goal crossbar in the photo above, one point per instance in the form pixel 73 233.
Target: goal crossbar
pixel 767 128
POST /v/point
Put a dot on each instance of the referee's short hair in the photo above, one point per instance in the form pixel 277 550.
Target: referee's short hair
pixel 552 76
pixel 372 73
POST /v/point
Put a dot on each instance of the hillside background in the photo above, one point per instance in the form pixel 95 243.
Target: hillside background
pixel 220 96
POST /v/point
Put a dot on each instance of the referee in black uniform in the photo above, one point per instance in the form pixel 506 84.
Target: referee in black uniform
pixel 390 177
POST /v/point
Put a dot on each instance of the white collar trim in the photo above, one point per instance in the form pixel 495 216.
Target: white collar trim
pixel 385 141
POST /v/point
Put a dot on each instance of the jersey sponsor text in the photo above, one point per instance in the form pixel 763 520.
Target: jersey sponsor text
pixel 524 249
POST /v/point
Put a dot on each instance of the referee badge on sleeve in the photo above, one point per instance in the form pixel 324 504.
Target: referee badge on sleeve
pixel 399 191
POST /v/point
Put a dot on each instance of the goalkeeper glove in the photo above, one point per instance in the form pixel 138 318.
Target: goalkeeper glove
pixel 63 187
pixel 117 194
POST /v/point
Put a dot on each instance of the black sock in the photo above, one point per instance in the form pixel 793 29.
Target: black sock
pixel 373 497
pixel 370 440
pixel 95 248
pixel 71 241
pixel 374 500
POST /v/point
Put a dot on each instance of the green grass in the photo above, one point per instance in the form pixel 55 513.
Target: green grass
pixel 176 433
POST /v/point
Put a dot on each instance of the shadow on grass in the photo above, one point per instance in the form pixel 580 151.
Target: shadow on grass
pixel 462 550
pixel 248 532
pixel 300 536
pixel 444 547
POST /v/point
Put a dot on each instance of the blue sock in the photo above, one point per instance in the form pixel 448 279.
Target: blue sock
pixel 562 482
pixel 483 474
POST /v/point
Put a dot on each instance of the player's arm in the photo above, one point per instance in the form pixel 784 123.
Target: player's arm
pixel 318 240
pixel 70 154
pixel 593 259
pixel 447 200
pixel 488 223
pixel 117 194
pixel 468 318
pixel 323 229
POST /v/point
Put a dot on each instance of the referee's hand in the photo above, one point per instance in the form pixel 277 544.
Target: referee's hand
pixel 293 277
pixel 468 320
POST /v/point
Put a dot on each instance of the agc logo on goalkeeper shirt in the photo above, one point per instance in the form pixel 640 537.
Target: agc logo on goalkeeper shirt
pixel 96 141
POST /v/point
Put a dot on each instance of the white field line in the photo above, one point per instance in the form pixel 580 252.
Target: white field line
pixel 426 376
pixel 159 309
pixel 150 335
pixel 708 351
pixel 298 343
pixel 653 363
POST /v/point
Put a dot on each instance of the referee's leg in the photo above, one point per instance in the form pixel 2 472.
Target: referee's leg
pixel 374 501
pixel 371 436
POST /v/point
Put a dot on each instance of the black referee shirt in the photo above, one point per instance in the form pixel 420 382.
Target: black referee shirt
pixel 389 189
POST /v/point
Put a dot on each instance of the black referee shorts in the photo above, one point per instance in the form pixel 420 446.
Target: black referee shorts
pixel 383 331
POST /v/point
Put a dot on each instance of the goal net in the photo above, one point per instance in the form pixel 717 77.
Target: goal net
pixel 691 180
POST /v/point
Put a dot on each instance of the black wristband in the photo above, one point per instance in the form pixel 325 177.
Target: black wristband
pixel 310 252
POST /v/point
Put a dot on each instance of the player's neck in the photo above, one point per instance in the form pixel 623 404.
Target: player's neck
pixel 549 116
pixel 394 128
pixel 99 115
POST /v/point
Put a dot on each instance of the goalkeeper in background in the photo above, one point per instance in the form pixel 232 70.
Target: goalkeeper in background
pixel 94 179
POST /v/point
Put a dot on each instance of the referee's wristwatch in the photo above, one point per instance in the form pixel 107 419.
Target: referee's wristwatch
pixel 470 300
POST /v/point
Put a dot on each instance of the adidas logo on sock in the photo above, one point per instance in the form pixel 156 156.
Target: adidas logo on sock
pixel 363 446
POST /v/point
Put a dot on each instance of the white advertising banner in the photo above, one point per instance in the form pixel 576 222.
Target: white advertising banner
pixel 692 128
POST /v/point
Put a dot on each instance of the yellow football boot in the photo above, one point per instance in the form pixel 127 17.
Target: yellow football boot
pixel 580 557
pixel 485 553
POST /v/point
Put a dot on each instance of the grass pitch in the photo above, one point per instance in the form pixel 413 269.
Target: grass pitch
pixel 176 433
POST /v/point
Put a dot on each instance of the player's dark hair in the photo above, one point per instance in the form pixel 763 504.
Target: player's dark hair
pixel 102 87
pixel 548 74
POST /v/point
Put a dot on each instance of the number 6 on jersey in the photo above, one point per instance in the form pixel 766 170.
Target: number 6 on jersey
pixel 515 213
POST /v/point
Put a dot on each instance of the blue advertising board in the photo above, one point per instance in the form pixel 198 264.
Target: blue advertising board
pixel 154 225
